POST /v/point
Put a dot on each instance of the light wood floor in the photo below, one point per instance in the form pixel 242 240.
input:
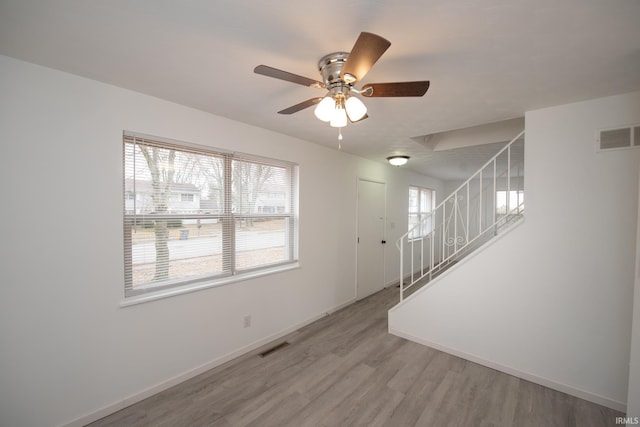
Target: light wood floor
pixel 346 370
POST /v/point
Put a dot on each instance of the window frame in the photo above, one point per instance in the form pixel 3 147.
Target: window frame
pixel 516 196
pixel 187 197
pixel 423 231
pixel 226 216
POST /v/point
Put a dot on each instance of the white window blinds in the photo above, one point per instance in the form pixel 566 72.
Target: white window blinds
pixel 195 214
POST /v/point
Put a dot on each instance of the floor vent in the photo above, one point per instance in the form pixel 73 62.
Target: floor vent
pixel 274 349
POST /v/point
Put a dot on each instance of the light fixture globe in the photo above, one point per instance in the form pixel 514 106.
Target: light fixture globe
pixel 339 118
pixel 398 160
pixel 324 110
pixel 355 108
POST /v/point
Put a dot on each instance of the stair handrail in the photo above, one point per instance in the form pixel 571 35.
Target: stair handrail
pixel 442 205
pixel 430 214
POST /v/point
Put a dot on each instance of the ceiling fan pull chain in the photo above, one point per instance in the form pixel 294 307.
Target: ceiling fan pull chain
pixel 339 138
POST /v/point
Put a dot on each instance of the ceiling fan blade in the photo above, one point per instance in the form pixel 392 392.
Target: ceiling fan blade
pixel 396 89
pixel 366 51
pixel 301 106
pixel 286 76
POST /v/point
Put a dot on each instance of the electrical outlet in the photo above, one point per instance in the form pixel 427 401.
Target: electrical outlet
pixel 247 321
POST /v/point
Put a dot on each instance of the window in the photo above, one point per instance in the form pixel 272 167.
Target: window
pixel 514 205
pixel 196 216
pixel 421 202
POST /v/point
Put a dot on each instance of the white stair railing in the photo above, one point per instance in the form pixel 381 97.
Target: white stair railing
pixel 476 211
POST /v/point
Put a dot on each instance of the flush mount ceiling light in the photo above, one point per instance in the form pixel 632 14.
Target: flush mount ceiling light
pixel 398 160
pixel 340 71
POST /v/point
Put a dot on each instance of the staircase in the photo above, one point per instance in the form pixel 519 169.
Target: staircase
pixel 482 207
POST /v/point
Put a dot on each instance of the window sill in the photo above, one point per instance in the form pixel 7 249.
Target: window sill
pixel 153 296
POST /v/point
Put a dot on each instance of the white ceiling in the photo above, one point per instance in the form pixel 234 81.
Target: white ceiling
pixel 487 60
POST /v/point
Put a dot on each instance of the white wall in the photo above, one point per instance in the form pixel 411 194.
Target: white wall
pixel 633 397
pixel 552 300
pixel 68 352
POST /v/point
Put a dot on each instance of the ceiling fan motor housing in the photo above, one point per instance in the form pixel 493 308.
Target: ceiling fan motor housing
pixel 330 67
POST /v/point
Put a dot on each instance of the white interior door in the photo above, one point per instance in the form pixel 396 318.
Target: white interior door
pixel 371 220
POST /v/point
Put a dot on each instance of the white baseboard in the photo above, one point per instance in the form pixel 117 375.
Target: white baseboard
pixel 564 388
pixel 164 385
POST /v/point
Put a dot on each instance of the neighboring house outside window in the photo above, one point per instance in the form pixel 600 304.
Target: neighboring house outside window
pixel 421 202
pixel 199 216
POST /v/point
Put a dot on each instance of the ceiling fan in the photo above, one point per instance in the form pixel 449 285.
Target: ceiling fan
pixel 340 71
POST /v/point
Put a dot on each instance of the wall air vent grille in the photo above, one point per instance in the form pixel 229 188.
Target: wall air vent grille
pixel 619 138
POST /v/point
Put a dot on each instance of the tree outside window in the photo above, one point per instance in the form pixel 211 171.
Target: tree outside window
pixel 194 214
